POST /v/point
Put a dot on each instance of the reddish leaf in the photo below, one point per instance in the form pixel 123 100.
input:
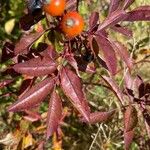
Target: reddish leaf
pixel 11 72
pixel 130 118
pixel 41 145
pixel 113 5
pixel 71 5
pixel 54 114
pixel 144 91
pixel 4 83
pixel 146 116
pixel 90 68
pixel 147 89
pixel 29 19
pixel 128 138
pixel 93 45
pixel 141 13
pixel 32 116
pixel 98 117
pixel 123 30
pixel 138 81
pixel 23 46
pixel 127 3
pixel 25 86
pixel 71 60
pixel 123 53
pixel 36 67
pixel 112 19
pixel 111 82
pixel 72 87
pixel 83 65
pixel 50 52
pixel 128 80
pixel 108 52
pixel 7 51
pixel 93 20
pixel 79 64
pixel 141 90
pixel 95 49
pixel 6 95
pixel 26 22
pixel 33 96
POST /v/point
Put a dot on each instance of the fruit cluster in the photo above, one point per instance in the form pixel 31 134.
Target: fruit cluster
pixel 72 22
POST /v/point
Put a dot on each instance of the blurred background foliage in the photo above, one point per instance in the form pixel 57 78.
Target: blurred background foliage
pixel 16 133
pixel 10 12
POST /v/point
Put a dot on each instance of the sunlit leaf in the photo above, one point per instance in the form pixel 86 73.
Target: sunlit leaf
pixel 108 52
pixel 79 64
pixel 123 30
pixel 72 87
pixel 127 3
pixel 29 19
pixel 57 144
pixel 111 82
pixel 71 60
pixel 23 46
pixel 93 20
pixel 95 49
pixel 33 96
pixel 36 67
pixel 49 52
pixel 123 53
pixel 130 118
pixel 98 117
pixel 10 139
pixel 112 19
pixel 9 26
pixel 54 114
pixel 71 5
pixel 113 5
pixel 25 86
pixel 41 145
pixel 32 116
pixel 27 141
pixel 128 138
pixel 139 14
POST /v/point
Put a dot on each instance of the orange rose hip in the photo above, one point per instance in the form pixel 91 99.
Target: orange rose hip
pixel 72 24
pixel 54 7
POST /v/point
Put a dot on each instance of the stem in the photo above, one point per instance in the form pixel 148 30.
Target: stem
pixel 97 84
pixel 91 146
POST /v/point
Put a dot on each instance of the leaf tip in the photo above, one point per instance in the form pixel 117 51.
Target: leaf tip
pixel 10 109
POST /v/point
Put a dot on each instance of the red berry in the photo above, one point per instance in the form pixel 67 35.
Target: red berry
pixel 54 7
pixel 72 24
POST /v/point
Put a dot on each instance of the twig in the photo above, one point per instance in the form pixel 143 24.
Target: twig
pixel 97 84
pixel 95 138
